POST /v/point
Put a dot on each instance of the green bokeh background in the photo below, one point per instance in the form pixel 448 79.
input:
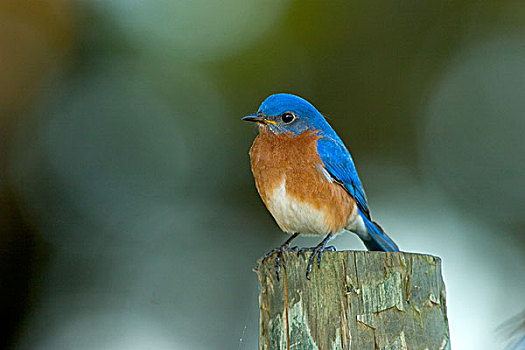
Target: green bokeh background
pixel 128 212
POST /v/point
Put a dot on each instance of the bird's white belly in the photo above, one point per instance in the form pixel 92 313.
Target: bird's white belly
pixel 296 216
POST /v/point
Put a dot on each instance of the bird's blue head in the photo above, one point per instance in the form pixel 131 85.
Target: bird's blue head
pixel 286 113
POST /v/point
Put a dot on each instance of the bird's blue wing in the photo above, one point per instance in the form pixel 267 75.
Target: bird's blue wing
pixel 338 162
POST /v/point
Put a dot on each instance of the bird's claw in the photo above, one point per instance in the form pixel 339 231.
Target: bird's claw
pixel 278 254
pixel 318 250
pixel 285 247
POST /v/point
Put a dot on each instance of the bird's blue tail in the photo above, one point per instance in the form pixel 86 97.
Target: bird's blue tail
pixel 377 239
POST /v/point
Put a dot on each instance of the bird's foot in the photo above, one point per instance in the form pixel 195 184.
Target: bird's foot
pixel 285 247
pixel 318 250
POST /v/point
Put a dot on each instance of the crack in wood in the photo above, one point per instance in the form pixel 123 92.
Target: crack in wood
pixel 285 316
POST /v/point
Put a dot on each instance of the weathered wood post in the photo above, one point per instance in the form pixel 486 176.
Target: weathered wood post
pixel 356 300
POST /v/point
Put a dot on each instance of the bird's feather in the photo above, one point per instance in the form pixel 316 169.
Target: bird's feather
pixel 338 162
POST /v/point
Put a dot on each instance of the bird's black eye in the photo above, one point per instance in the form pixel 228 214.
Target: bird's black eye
pixel 287 117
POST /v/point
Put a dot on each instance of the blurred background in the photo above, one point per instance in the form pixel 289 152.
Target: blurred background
pixel 128 214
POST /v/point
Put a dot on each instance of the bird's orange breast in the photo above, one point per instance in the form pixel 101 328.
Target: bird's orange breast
pixel 294 186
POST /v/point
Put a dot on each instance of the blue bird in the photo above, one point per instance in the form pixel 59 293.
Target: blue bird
pixel 307 178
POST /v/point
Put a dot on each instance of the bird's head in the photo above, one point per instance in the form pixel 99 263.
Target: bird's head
pixel 286 113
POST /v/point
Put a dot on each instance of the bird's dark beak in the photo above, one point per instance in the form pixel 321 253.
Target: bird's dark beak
pixel 258 118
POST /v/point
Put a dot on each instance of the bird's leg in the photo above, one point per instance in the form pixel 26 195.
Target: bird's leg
pixel 319 249
pixel 282 248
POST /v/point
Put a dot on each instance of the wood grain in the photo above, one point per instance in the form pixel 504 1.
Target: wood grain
pixel 356 300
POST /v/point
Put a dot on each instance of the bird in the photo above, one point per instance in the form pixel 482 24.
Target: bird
pixel 307 179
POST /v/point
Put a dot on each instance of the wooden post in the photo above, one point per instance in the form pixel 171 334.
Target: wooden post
pixel 356 300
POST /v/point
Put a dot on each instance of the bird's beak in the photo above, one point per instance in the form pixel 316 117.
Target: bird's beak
pixel 258 118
